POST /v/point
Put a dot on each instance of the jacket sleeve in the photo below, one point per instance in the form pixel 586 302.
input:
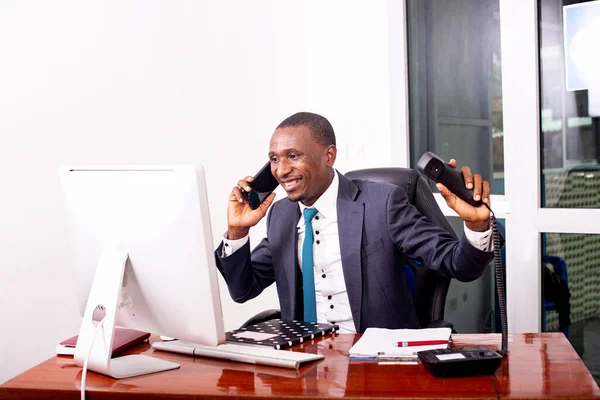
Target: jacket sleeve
pixel 247 273
pixel 430 244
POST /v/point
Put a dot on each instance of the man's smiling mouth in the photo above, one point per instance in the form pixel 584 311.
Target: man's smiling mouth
pixel 291 184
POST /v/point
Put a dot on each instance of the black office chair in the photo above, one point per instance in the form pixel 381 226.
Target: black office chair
pixel 428 287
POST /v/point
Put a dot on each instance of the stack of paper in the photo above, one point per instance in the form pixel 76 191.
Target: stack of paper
pixel 380 343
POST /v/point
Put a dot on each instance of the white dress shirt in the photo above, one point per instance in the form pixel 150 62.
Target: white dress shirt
pixel 333 305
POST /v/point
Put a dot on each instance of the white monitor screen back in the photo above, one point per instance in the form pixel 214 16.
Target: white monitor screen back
pixel 159 216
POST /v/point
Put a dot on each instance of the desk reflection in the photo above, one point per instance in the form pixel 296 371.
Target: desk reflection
pixel 323 377
pixel 537 366
pixel 337 376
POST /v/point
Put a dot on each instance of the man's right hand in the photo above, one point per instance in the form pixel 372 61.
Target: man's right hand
pixel 240 217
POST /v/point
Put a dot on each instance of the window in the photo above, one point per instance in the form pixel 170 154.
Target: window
pixel 570 136
pixel 455 87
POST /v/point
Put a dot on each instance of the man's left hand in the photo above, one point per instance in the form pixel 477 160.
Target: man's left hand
pixel 476 218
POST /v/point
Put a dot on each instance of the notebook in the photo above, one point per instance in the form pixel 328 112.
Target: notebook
pixel 124 339
pixel 380 344
pixel 279 334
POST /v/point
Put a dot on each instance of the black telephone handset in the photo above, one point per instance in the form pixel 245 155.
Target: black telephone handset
pixel 466 361
pixel 436 169
pixel 263 185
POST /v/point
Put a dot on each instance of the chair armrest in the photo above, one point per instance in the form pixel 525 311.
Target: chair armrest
pixel 262 317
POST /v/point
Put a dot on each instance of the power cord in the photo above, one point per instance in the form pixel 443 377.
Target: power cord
pixel 87 357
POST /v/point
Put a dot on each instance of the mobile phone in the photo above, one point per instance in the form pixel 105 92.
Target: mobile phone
pixel 263 185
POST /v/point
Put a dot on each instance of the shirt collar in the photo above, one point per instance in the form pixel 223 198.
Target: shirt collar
pixel 327 203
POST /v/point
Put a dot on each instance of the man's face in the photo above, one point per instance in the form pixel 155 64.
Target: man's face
pixel 301 165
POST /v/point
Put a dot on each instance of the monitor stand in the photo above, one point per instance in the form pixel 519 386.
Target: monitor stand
pixel 97 341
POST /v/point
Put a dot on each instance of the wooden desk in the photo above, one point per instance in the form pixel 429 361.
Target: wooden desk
pixel 538 366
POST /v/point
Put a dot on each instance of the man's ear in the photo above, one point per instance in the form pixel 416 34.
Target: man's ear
pixel 331 153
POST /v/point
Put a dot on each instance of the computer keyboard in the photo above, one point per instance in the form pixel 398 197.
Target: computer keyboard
pixel 240 353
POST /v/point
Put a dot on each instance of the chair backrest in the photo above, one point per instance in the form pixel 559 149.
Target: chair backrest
pixel 430 288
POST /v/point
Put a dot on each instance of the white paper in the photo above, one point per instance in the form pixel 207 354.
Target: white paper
pixel 64 350
pixel 455 356
pixel 380 342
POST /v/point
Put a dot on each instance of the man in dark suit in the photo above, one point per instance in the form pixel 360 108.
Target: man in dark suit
pixel 342 262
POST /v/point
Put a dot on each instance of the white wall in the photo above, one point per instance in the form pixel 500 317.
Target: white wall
pixel 163 82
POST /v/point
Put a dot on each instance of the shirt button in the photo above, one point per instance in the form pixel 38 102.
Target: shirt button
pixel 318 242
pixel 329 297
pixel 316 232
pixel 323 276
pixel 317 217
pixel 331 306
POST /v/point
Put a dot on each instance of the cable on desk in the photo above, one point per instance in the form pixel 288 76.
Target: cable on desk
pixel 87 357
pixel 495 386
pixel 492 377
pixel 494 383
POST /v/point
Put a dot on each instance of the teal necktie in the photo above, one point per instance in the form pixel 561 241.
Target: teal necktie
pixel 308 270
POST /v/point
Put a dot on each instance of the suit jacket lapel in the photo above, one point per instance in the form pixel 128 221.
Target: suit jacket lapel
pixel 350 225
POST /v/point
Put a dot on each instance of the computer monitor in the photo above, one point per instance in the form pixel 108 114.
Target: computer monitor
pixel 142 252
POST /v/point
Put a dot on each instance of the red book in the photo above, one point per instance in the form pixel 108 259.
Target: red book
pixel 124 339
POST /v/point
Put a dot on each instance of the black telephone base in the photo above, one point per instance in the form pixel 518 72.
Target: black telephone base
pixel 455 362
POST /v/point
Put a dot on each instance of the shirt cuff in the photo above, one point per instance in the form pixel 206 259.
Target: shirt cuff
pixel 231 246
pixel 480 240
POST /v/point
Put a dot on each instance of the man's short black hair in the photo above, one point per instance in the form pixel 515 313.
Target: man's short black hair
pixel 321 129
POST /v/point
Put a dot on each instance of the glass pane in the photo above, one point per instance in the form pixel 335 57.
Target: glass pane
pixel 455 85
pixel 571 265
pixel 570 137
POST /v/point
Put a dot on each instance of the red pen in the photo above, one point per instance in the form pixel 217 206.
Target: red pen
pixel 421 343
